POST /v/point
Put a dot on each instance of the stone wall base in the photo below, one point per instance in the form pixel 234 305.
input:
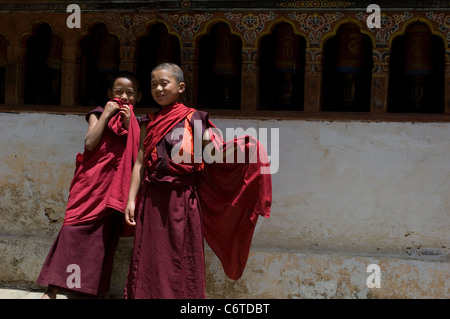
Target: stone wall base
pixel 269 274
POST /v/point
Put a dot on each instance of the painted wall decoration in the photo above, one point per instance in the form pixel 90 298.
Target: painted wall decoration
pixel 317 22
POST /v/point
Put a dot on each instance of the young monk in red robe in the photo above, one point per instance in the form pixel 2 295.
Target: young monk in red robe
pixel 81 257
pixel 175 204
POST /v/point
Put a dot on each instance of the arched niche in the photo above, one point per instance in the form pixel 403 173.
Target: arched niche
pixel 99 61
pixel 416 68
pixel 282 70
pixel 347 71
pixel 43 62
pixel 219 75
pixel 157 46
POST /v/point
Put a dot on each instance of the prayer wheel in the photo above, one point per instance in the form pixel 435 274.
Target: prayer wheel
pixel 226 63
pixel 166 46
pixel 3 47
pixel 350 57
pixel 99 60
pixel 287 59
pixel 418 50
pixel 107 63
pixel 418 61
pixel 54 65
pixel 54 57
pixel 287 55
pixel 350 62
pixel 108 53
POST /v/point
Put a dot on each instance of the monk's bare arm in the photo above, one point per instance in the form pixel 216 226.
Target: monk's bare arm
pixel 97 125
pixel 137 176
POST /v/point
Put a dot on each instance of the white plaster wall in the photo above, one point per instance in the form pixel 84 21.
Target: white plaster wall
pixel 348 188
pixel 37 163
pixel 358 187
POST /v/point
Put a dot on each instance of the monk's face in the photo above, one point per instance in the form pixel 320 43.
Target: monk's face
pixel 166 90
pixel 124 89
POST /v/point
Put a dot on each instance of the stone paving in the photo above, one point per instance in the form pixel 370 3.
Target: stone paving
pixel 20 293
pixel 24 293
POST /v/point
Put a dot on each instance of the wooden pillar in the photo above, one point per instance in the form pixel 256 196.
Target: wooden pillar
pixel 447 82
pixel 190 69
pixel 69 83
pixel 380 82
pixel 249 81
pixel 313 80
pixel 15 75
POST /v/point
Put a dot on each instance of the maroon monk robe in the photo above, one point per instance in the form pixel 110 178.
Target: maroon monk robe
pixel 93 221
pixel 102 176
pixel 91 248
pixel 168 259
pixel 232 196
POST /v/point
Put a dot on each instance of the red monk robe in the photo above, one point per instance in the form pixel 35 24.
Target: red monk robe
pixel 102 176
pixel 94 218
pixel 179 204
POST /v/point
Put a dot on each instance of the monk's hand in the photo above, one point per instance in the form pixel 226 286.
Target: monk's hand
pixel 129 214
pixel 111 108
pixel 126 113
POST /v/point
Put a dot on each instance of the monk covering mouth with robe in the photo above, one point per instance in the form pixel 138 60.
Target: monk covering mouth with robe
pixel 81 257
pixel 176 204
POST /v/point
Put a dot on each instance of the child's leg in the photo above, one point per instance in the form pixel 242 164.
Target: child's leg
pixel 50 293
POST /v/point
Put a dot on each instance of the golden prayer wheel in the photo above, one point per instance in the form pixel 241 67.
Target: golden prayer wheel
pixel 287 59
pixel 166 46
pixel 418 50
pixel 287 53
pixel 225 57
pixel 418 61
pixel 54 64
pixel 107 54
pixel 350 57
pixel 350 62
pixel 226 64
pixel 54 57
pixel 107 63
